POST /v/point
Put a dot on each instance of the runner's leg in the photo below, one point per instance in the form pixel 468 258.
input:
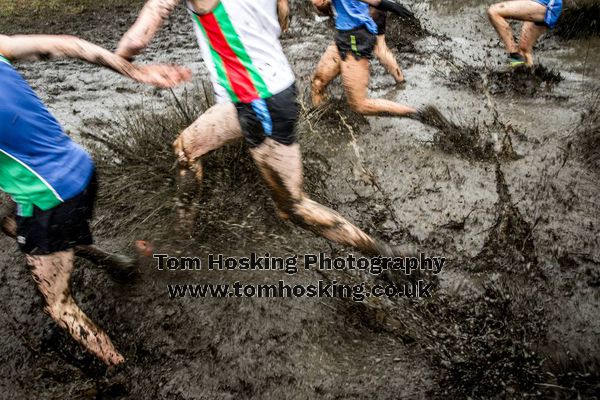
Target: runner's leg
pixel 52 274
pixel 523 10
pixel 387 59
pixel 218 126
pixel 8 222
pixel 355 77
pixel 529 36
pixel 92 253
pixel 281 168
pixel 327 70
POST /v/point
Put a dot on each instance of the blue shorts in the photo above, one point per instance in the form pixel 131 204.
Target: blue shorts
pixel 553 11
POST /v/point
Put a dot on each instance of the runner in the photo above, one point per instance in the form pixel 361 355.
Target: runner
pixel 355 42
pixel 52 179
pixel 256 100
pixel 329 66
pixel 538 16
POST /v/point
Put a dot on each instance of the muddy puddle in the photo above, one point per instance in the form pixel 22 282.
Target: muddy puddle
pixel 506 189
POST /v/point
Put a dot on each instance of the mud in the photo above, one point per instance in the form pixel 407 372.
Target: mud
pixel 526 82
pixel 588 135
pixel 505 186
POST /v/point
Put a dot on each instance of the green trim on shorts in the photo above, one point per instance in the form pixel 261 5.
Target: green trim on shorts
pixel 4 60
pixel 353 44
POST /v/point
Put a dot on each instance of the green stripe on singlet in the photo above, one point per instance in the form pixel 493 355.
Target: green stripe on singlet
pixel 240 51
pixel 4 60
pixel 25 186
pixel 222 75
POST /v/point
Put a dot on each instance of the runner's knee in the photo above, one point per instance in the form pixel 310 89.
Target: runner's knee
pixel 360 106
pixel 494 11
pixel 317 83
pixel 179 152
pixel 182 152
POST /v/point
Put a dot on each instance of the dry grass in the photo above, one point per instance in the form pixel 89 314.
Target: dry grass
pixel 136 163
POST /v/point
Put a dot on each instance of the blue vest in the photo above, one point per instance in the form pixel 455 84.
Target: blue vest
pixel 352 14
pixel 39 163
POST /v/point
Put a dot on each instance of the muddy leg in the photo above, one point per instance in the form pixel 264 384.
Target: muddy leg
pixel 355 76
pixel 9 225
pixel 218 126
pixel 327 70
pixel 119 263
pixel 522 10
pixel 52 274
pixel 529 35
pixel 387 59
pixel 281 168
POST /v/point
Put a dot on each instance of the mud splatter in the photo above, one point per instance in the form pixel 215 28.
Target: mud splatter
pixel 526 82
pixel 402 33
pixel 579 20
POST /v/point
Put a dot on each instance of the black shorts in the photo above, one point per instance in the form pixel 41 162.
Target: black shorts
pixel 380 18
pixel 274 117
pixel 60 228
pixel 359 42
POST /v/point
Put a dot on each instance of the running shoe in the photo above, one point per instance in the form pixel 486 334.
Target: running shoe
pixel 516 60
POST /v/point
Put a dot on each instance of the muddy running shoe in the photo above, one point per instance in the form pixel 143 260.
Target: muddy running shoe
pixel 516 60
pixel 406 250
pixel 402 250
pixel 120 268
pixel 383 249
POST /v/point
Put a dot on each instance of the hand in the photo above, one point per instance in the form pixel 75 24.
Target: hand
pixel 323 6
pixel 162 76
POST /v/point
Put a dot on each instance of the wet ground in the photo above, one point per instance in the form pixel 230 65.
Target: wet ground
pixel 507 190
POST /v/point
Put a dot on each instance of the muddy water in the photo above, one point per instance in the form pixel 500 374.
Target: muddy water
pixel 386 174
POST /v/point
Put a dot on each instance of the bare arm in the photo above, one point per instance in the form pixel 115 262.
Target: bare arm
pixel 150 19
pixel 373 3
pixel 43 47
pixel 393 6
pixel 283 12
pixel 143 30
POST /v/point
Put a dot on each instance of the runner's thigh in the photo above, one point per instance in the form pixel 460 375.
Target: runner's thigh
pixel 525 10
pixel 218 126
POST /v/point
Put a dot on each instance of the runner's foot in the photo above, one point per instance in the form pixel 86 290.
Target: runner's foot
pixel 516 60
pixel 121 268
